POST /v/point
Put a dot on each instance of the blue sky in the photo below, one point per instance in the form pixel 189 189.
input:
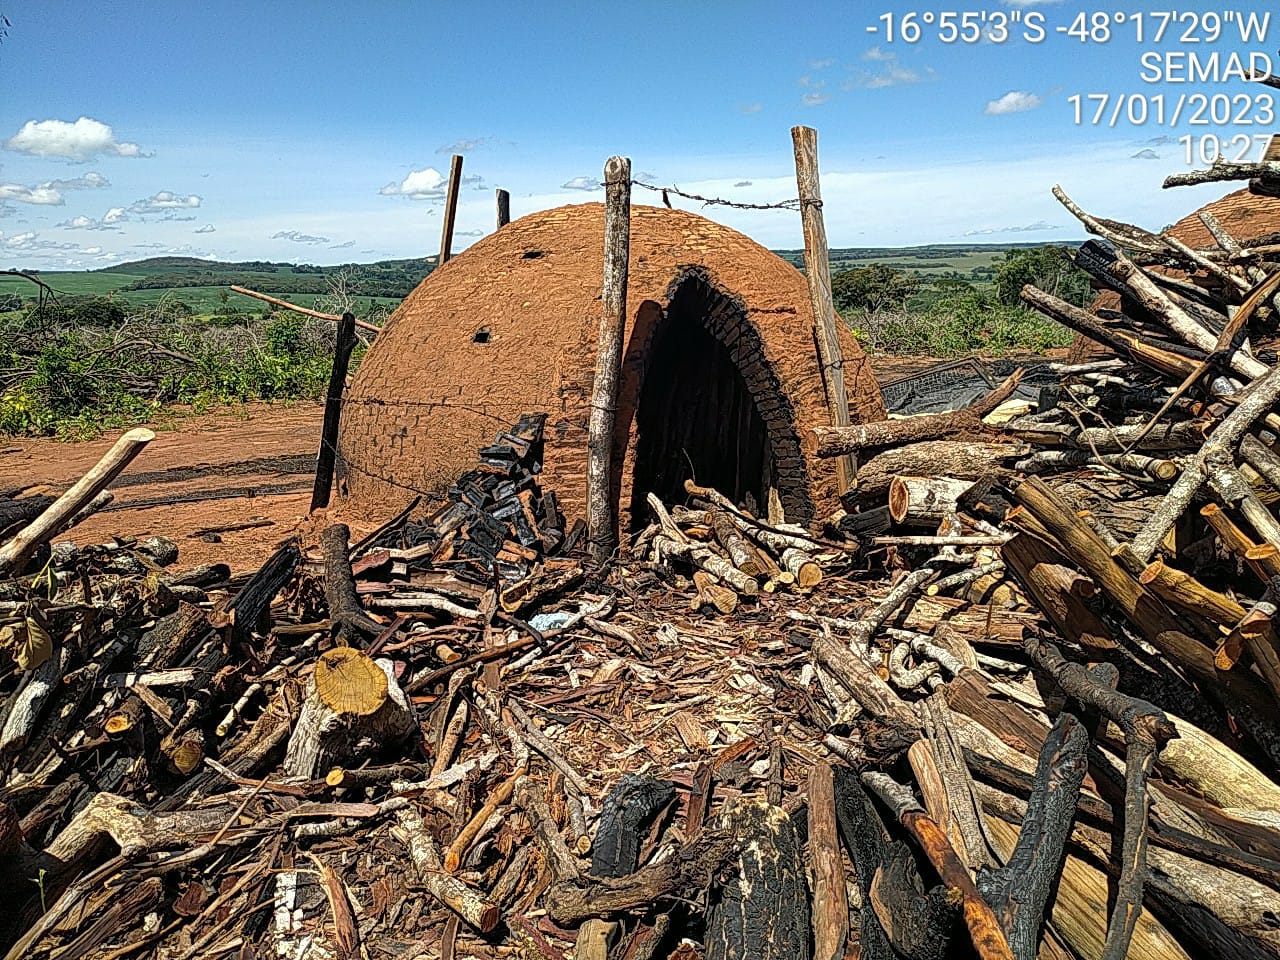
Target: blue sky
pixel 318 132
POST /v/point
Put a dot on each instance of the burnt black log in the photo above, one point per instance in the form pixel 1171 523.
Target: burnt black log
pixel 762 910
pixel 628 809
pixel 1019 891
pixel 348 619
pixel 247 608
pixel 919 926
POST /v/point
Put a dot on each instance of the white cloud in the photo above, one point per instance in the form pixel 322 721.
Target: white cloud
pixel 79 223
pixel 1037 227
pixel 82 140
pixel 115 215
pixel 1146 154
pixel 876 55
pixel 821 64
pixel 581 183
pixel 297 236
pixel 42 194
pixel 428 184
pixel 466 145
pixel 90 181
pixel 814 99
pixel 644 176
pixel 743 183
pixel 163 202
pixel 343 246
pixel 207 228
pixel 892 76
pixel 1015 101
pixel 751 108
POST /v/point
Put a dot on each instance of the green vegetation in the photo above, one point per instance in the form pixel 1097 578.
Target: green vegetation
pixel 892 311
pixel 76 380
pixel 119 346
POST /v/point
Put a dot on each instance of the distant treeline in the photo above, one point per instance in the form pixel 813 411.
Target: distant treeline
pixel 367 280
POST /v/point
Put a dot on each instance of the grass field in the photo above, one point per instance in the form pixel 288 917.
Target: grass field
pixel 972 261
pixel 201 284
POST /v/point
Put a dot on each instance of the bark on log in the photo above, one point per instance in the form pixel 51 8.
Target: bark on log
pixel 950 458
pixel 465 901
pixel 349 621
pixel 837 441
pixel 1224 170
pixel 830 898
pixel 1121 341
pixel 14 553
pixel 729 536
pixel 1261 397
pixel 1263 560
pixel 1239 692
pixel 1059 591
pixel 762 908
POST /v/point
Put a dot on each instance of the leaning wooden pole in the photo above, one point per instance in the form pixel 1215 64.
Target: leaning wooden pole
pixel 817 269
pixel 328 455
pixel 602 525
pixel 450 210
pixel 54 519
pixel 504 208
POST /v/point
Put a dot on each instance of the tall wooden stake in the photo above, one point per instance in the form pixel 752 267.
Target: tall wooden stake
pixel 601 521
pixel 328 455
pixel 817 271
pixel 504 208
pixel 450 210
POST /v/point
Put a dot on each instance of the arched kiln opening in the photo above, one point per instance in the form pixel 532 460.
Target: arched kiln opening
pixel 698 417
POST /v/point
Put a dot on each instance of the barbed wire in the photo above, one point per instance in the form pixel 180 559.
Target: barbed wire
pixel 794 203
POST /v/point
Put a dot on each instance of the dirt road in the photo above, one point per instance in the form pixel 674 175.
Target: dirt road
pixel 236 466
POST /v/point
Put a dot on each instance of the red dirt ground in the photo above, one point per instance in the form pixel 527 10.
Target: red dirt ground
pixel 234 466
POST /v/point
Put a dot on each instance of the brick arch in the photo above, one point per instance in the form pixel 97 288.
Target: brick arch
pixel 694 295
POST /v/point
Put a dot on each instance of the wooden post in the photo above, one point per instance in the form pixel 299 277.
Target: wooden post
pixel 504 208
pixel 328 455
pixel 601 520
pixel 817 271
pixel 450 210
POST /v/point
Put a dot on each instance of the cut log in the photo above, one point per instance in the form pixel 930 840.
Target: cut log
pixel 950 458
pixel 325 737
pixel 762 909
pixel 924 500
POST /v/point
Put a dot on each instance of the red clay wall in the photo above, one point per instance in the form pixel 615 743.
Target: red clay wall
pixel 426 395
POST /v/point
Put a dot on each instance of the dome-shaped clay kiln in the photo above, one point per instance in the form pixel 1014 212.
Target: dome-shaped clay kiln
pixel 720 371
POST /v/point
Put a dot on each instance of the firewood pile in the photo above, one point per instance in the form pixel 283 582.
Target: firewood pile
pixel 1017 699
